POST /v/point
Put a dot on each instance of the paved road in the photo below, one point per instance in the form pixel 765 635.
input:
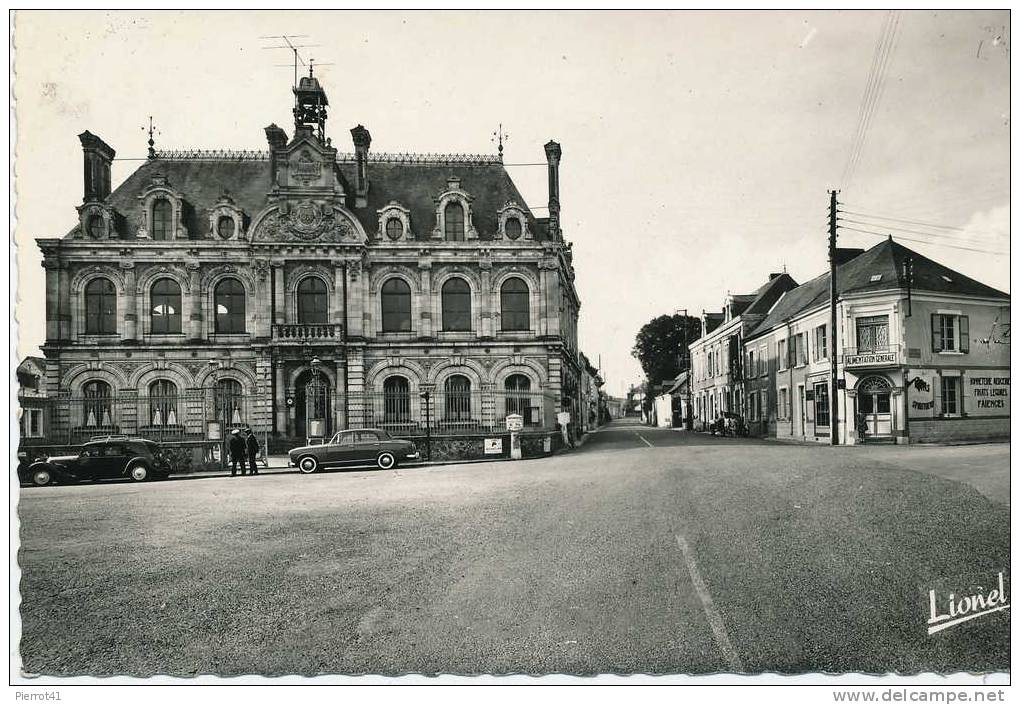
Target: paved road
pixel 644 551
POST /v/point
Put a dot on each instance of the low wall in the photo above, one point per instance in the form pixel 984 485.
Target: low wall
pixel 965 430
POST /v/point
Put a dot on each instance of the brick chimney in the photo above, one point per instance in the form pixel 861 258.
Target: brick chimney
pixel 277 139
pixel 98 157
pixel 362 141
pixel 553 152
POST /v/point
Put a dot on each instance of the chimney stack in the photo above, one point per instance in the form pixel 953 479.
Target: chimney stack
pixel 277 139
pixel 362 141
pixel 552 156
pixel 98 158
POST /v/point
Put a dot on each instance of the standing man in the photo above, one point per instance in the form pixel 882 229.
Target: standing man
pixel 238 452
pixel 252 444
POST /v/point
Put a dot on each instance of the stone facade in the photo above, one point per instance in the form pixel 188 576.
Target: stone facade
pixel 300 266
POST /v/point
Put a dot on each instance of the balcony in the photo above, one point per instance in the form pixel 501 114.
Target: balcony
pixel 306 332
pixel 874 356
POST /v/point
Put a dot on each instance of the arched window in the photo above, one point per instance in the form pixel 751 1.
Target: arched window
pixel 312 301
pixel 457 391
pixel 97 226
pixel 229 402
pixel 513 228
pixel 456 305
pixel 396 306
pixel 396 400
pixel 229 303
pixel 453 217
pixel 518 396
pixel 163 403
pixel 165 311
pixel 100 307
pixel 162 220
pixel 394 228
pixel 96 405
pixel 514 305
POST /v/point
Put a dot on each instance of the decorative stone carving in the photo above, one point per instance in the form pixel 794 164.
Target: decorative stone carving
pixel 306 221
pixel 260 268
pixel 454 193
pixel 159 188
pixel 512 211
pixel 97 221
pixel 395 210
pixel 226 208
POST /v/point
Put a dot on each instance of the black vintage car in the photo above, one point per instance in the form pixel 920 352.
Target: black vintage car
pixel 367 446
pixel 137 459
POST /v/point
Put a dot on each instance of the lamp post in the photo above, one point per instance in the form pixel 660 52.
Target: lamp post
pixel 317 390
pixel 425 396
pixel 214 365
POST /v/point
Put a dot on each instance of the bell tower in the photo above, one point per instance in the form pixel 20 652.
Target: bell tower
pixel 310 105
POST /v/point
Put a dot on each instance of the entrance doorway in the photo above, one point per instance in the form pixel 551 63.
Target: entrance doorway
pixel 873 406
pixel 313 406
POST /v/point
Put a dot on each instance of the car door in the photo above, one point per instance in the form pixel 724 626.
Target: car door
pixel 89 464
pixel 367 447
pixel 341 452
pixel 114 457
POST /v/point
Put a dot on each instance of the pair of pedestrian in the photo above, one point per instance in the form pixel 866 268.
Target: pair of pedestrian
pixel 244 451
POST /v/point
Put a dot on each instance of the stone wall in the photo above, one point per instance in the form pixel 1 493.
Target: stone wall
pixel 966 430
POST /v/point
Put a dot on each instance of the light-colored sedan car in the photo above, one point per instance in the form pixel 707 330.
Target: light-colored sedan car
pixel 361 447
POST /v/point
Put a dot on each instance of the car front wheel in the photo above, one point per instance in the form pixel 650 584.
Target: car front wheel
pixel 385 461
pixel 41 477
pixel 308 464
pixel 138 472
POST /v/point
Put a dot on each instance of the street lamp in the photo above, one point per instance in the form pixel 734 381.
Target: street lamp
pixel 216 421
pixel 317 393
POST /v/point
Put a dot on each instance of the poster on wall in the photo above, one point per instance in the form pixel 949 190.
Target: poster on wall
pixel 986 393
pixel 493 446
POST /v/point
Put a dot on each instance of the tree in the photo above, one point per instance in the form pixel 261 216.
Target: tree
pixel 659 346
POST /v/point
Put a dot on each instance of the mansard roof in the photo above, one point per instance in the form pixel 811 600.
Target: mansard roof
pixel 413 181
pixel 877 269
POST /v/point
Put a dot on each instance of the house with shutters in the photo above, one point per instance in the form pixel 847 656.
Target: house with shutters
pixel 717 358
pixel 922 353
pixel 301 290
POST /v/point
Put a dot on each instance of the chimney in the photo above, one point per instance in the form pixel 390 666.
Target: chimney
pixel 277 139
pixel 552 156
pixel 98 157
pixel 362 141
pixel 845 254
pixel 775 275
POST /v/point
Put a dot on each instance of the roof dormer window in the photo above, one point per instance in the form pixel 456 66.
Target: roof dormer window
pixel 453 221
pixel 162 220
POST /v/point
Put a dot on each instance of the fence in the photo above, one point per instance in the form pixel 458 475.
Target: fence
pixel 450 412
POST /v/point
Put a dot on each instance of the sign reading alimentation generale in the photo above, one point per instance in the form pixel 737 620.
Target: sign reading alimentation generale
pixel 886 358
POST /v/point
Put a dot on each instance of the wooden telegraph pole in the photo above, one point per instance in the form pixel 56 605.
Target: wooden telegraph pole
pixel 834 354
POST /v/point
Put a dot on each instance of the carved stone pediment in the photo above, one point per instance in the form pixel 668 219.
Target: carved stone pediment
pixel 308 221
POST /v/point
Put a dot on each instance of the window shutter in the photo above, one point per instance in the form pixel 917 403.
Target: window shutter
pixel 964 335
pixel 936 334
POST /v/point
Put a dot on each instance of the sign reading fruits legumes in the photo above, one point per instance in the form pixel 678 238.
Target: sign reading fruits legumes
pixel 989 394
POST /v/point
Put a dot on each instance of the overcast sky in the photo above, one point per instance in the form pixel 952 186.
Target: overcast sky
pixel 697 147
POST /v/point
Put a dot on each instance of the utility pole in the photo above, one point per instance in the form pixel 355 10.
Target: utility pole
pixel 685 364
pixel 834 355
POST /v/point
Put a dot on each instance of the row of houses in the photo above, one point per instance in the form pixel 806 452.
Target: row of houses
pixel 921 355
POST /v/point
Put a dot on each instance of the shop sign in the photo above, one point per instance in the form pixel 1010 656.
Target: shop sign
pixel 494 446
pixel 990 394
pixel 870 359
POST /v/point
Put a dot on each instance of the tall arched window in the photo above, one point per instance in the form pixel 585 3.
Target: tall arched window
pixel 396 306
pixel 162 219
pixel 453 217
pixel 163 403
pixel 229 402
pixel 229 303
pixel 96 405
pixel 312 301
pixel 165 311
pixel 396 400
pixel 514 305
pixel 100 307
pixel 456 305
pixel 457 391
pixel 518 396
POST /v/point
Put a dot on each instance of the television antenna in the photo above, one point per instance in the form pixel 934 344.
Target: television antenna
pixel 291 42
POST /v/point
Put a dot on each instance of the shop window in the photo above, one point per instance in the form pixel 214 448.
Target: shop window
pixel 822 404
pixel 951 396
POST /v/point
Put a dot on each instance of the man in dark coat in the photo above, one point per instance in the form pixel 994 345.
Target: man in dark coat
pixel 252 443
pixel 238 452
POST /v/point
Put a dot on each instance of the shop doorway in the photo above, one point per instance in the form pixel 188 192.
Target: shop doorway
pixel 874 408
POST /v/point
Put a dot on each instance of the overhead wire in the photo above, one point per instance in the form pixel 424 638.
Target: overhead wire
pixel 925 242
pixel 900 228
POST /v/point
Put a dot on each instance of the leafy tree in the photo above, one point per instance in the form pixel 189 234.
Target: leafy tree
pixel 660 344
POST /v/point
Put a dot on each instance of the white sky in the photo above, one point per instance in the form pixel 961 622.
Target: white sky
pixel 697 147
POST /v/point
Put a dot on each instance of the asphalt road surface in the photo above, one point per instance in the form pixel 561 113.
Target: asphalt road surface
pixel 646 551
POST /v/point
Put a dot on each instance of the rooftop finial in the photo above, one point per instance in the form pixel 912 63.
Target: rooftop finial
pixel 499 137
pixel 311 66
pixel 152 143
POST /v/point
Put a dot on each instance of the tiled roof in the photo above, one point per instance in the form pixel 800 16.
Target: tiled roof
pixel 876 269
pixel 411 180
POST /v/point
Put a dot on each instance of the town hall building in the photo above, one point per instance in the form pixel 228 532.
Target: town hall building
pixel 300 290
